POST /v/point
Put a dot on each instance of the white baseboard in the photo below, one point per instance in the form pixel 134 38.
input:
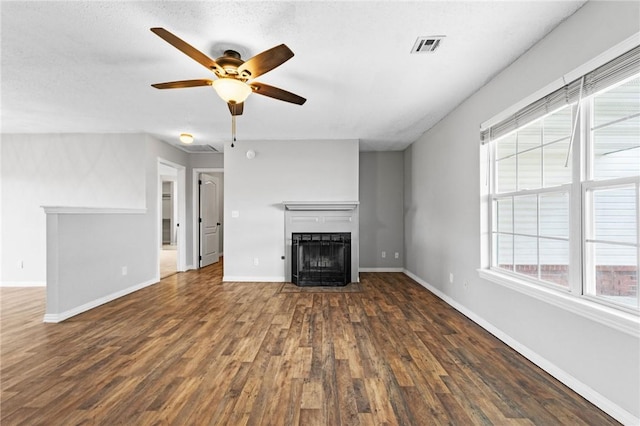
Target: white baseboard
pixel 361 269
pixel 253 279
pixel 23 283
pixel 600 401
pixel 54 318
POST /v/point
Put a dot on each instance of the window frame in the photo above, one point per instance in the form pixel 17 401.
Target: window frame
pixel 621 320
pixel 580 267
pixel 575 297
pixel 589 184
pixel 569 188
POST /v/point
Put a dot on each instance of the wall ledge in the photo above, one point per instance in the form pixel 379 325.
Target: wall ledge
pixel 90 210
pixel 23 284
pixel 597 399
pixel 320 205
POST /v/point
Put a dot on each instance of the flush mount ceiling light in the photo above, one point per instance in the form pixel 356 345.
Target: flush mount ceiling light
pixel 186 138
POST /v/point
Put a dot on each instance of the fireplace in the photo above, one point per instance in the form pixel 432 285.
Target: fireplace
pixel 319 225
pixel 321 259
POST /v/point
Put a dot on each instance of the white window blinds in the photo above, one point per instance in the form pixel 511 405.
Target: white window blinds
pixel 617 70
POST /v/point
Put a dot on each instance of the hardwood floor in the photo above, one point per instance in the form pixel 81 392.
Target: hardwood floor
pixel 168 261
pixel 193 350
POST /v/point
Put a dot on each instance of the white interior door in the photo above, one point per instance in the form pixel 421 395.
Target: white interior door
pixel 209 219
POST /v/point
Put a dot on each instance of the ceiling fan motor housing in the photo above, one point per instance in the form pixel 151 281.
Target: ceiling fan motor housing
pixel 230 62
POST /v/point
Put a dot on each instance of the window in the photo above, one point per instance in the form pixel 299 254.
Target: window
pixel 565 188
pixel 611 194
pixel 531 199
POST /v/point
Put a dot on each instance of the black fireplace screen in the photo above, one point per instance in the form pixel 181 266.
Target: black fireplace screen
pixel 321 259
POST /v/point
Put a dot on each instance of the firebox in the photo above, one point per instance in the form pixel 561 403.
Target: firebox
pixel 321 259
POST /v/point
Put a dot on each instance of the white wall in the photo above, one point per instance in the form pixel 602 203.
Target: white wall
pixel 81 170
pixel 443 218
pixel 381 206
pixel 281 171
pixel 107 171
pixel 65 170
pixel 86 252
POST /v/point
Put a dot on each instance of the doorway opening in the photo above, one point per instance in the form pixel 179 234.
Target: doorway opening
pixel 171 213
pixel 169 252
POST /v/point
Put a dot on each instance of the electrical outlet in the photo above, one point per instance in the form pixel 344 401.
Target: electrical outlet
pixel 256 261
pixel 451 277
pixel 397 255
pixel 124 270
pixel 384 254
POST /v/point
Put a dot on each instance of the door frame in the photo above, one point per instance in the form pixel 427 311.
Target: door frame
pixel 196 209
pixel 173 180
pixel 181 202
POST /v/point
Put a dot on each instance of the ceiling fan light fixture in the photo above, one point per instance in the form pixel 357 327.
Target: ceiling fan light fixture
pixel 231 90
pixel 186 138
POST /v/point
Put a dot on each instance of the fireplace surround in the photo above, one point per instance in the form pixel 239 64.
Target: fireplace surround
pixel 322 217
pixel 321 258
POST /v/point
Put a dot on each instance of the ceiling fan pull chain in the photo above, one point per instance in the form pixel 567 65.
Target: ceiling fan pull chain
pixel 233 130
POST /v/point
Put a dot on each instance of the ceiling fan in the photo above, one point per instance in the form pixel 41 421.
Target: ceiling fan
pixel 235 76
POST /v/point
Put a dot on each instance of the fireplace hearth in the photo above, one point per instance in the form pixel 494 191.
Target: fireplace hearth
pixel 321 259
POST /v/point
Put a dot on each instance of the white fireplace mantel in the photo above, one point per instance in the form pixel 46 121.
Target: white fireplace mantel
pixel 320 205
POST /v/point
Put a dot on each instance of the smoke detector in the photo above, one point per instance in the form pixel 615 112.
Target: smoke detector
pixel 427 44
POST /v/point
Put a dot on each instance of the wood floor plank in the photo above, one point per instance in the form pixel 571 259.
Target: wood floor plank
pixel 348 408
pixel 195 350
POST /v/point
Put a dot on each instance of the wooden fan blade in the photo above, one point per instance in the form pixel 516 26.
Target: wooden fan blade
pixel 187 49
pixel 182 84
pixel 236 109
pixel 276 93
pixel 265 61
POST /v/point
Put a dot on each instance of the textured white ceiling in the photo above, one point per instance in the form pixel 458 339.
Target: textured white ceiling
pixel 87 66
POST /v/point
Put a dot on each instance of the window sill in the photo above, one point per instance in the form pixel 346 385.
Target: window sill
pixel 622 321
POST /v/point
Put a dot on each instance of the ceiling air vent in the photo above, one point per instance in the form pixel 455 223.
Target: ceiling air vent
pixel 196 149
pixel 427 44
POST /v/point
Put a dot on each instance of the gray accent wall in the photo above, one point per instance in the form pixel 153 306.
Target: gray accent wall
pixel 381 210
pixel 206 160
pixel 443 214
